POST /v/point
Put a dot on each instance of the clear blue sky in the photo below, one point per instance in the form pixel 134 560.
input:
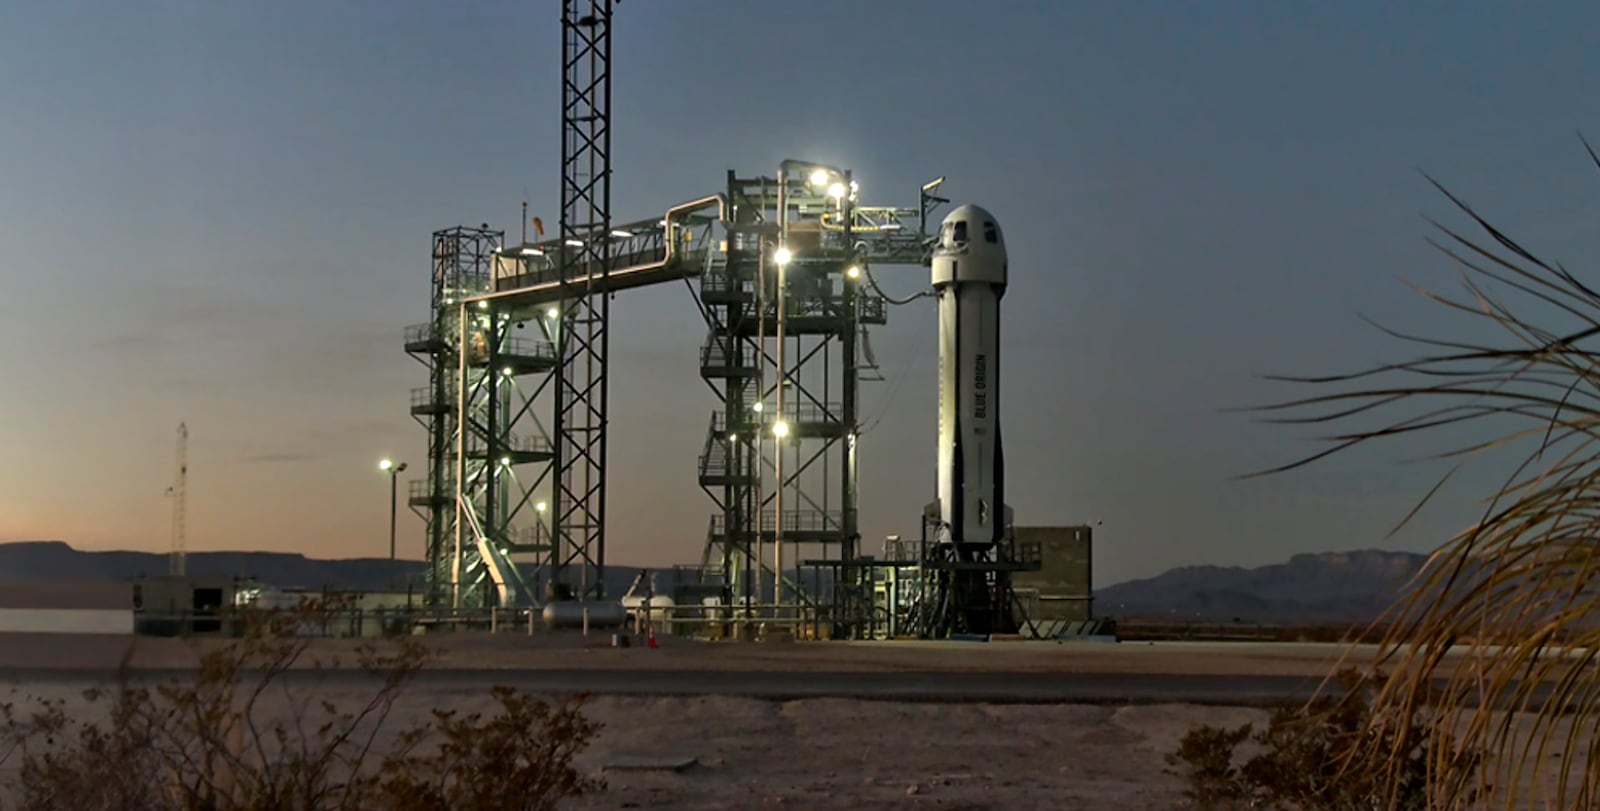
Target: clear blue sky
pixel 220 213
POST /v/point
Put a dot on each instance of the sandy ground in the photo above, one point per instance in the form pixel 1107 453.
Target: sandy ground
pixel 846 753
pixel 841 753
pixel 811 753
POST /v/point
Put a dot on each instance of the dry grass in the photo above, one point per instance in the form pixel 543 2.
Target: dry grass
pixel 240 734
pixel 1517 587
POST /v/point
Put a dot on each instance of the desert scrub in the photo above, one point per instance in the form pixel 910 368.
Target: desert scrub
pixel 1330 754
pixel 250 731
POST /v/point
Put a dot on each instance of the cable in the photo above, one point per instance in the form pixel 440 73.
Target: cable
pixel 866 270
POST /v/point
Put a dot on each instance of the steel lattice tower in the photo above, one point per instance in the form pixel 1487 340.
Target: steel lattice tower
pixel 456 498
pixel 577 559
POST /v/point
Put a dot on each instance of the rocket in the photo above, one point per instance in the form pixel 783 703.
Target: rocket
pixel 969 278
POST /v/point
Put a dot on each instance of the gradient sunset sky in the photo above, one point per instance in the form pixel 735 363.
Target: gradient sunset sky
pixel 220 213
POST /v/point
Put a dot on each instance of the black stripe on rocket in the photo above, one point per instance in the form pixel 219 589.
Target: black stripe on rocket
pixel 997 511
pixel 958 478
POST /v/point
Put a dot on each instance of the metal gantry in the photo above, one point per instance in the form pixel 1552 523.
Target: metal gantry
pixel 787 309
pixel 504 528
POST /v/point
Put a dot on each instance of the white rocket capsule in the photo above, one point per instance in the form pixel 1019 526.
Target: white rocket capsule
pixel 969 277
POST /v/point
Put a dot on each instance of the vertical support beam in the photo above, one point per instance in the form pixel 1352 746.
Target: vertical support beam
pixel 849 547
pixel 578 514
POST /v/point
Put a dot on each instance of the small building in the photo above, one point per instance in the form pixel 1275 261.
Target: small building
pixel 184 605
pixel 1058 597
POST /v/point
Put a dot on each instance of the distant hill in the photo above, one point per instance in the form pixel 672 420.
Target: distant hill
pixel 57 561
pixel 1311 588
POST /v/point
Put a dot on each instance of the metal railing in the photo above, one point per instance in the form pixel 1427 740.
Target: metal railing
pixel 511 443
pixel 714 352
pixel 423 396
pixel 721 284
pixel 417 333
pixel 528 348
pixel 793 521
pixel 419 488
pixel 794 413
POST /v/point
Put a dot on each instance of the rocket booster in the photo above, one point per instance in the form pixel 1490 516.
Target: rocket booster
pixel 969 277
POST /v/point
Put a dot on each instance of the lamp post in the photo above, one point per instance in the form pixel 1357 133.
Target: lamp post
pixel 393 470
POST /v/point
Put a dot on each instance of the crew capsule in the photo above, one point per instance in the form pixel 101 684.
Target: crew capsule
pixel 971 248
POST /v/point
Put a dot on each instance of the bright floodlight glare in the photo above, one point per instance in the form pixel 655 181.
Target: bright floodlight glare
pixel 819 177
pixel 782 256
pixel 854 271
pixel 483 305
pixel 836 190
pixel 505 460
pixel 386 464
pixel 506 371
pixel 755 407
pixel 733 437
pixel 541 506
pixel 551 313
pixel 780 429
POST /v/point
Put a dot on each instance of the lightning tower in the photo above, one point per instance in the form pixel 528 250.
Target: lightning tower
pixel 177 557
pixel 578 551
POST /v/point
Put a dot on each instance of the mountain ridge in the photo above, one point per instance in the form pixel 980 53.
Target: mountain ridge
pixel 1347 586
pixel 1313 587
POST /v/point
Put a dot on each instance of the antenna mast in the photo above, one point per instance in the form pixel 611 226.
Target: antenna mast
pixel 178 491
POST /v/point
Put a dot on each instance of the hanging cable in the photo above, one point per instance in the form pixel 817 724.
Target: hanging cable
pixel 866 271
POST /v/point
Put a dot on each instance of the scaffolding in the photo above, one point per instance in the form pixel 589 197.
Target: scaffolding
pixel 505 529
pixel 453 485
pixel 786 309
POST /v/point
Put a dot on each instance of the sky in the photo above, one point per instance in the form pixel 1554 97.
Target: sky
pixel 220 213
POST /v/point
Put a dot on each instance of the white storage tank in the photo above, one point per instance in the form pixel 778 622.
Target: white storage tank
pixel 660 611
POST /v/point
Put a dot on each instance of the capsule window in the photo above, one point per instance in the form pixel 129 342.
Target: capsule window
pixel 961 231
pixel 990 235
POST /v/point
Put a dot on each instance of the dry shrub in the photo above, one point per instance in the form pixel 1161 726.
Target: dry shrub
pixel 1331 754
pixel 528 749
pixel 1516 594
pixel 215 742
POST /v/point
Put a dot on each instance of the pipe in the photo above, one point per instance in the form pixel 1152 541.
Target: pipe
pixel 783 378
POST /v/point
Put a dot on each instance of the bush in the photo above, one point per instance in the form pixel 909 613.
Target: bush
pixel 214 743
pixel 1332 754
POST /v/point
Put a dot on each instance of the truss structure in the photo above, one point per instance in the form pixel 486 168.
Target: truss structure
pixel 514 391
pixel 786 309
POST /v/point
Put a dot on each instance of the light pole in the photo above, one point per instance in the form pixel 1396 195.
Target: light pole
pixel 394 473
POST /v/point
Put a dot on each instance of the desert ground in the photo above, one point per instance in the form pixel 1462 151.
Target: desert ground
pixel 845 741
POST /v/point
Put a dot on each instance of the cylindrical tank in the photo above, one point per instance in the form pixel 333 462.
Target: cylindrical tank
pixel 565 614
pixel 660 612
